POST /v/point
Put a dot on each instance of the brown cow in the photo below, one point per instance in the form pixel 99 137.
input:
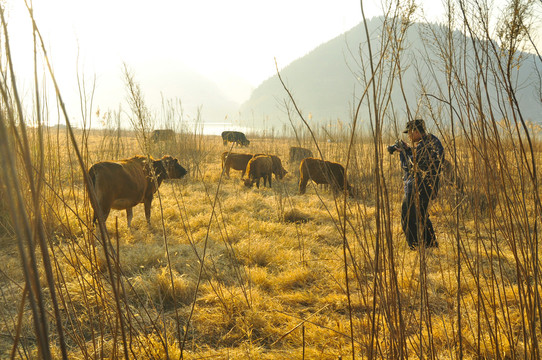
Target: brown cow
pixel 125 183
pixel 449 177
pixel 298 153
pixel 235 161
pixel 260 166
pixel 278 170
pixel 322 172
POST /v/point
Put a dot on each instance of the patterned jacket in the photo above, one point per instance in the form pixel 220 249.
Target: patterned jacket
pixel 423 163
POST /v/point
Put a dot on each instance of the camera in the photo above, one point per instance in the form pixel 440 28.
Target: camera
pixel 398 145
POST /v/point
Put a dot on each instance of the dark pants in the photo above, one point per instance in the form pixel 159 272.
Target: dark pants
pixel 409 217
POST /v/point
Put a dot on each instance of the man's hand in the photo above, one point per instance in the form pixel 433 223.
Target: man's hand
pixel 401 145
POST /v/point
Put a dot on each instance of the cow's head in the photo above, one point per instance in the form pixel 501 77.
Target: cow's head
pixel 248 182
pixel 282 173
pixel 158 170
pixel 173 169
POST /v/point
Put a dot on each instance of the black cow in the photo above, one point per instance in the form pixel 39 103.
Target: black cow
pixel 323 172
pixel 162 135
pixel 235 137
pixel 298 153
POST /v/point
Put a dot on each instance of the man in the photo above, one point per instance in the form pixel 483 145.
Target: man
pixel 421 166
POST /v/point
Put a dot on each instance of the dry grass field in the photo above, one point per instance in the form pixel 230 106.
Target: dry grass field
pixel 228 272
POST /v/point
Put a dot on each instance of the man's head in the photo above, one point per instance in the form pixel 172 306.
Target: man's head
pixel 415 129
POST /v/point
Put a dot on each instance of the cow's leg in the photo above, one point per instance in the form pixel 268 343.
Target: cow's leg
pixel 334 185
pixel 227 170
pixel 105 213
pixel 129 216
pixel 103 209
pixel 147 204
pixel 95 217
pixel 303 185
pixel 258 182
pixel 269 178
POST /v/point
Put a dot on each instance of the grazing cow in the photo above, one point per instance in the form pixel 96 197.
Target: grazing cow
pixel 448 177
pixel 235 137
pixel 278 170
pixel 235 161
pixel 162 135
pixel 298 153
pixel 322 172
pixel 260 166
pixel 125 183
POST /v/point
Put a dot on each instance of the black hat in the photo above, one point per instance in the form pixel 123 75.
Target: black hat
pixel 417 124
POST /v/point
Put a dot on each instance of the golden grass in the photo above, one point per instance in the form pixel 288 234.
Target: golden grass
pixel 275 282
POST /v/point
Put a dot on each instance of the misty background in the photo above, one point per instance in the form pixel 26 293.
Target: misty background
pixel 166 59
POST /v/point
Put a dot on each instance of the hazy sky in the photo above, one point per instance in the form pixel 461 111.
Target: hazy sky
pixel 224 40
pixel 232 42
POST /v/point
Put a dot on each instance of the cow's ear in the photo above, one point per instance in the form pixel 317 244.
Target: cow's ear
pixel 147 167
pixel 158 167
pixel 157 164
pixel 165 162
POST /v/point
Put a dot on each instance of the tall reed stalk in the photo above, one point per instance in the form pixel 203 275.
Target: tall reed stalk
pixel 220 273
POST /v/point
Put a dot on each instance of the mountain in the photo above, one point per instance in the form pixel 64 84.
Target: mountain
pixel 171 81
pixel 325 82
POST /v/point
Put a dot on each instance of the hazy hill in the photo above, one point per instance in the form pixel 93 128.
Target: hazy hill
pixel 324 81
pixel 172 81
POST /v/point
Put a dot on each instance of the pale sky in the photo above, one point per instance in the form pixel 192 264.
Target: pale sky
pixel 232 42
pixel 235 39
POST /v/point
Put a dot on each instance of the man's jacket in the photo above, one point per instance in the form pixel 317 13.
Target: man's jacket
pixel 421 165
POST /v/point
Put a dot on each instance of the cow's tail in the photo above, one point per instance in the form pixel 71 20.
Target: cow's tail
pixel 92 176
